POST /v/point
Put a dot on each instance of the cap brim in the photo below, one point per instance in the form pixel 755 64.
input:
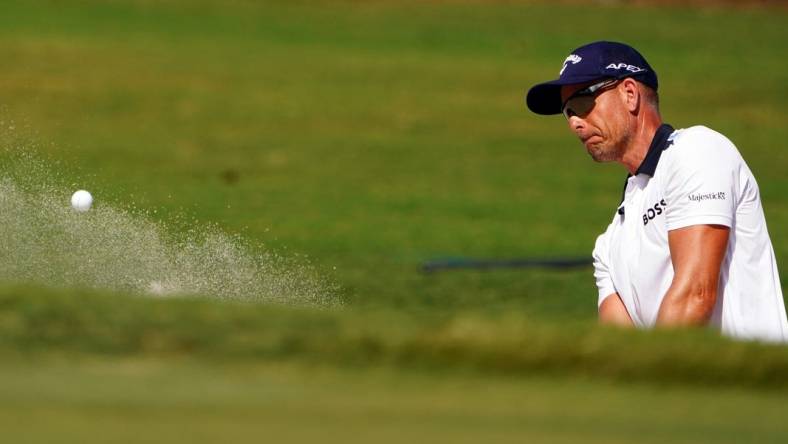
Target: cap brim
pixel 545 98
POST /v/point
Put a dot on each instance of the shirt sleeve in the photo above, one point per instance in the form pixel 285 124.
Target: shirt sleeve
pixel 601 254
pixel 701 181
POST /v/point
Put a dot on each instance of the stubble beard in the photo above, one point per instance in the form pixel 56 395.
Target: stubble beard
pixel 610 150
pixel 604 152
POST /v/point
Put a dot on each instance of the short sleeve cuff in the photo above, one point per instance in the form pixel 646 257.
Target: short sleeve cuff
pixel 606 288
pixel 687 221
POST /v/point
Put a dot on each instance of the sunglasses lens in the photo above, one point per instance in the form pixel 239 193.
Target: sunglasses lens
pixel 579 106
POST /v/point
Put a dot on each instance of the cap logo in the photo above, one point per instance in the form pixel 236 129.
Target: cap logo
pixel 628 67
pixel 573 59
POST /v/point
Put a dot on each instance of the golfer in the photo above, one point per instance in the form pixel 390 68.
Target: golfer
pixel 688 243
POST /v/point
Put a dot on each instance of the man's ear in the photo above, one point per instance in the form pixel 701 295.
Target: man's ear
pixel 631 95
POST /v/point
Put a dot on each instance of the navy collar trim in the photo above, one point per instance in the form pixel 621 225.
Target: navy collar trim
pixel 659 143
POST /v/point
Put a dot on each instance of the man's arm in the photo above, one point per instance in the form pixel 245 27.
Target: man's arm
pixel 613 312
pixel 697 252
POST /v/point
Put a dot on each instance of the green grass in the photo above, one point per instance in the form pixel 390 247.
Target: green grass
pixel 36 321
pixel 130 401
pixel 372 136
pixel 96 367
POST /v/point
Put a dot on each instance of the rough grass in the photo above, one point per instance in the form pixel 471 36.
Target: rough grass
pixel 36 321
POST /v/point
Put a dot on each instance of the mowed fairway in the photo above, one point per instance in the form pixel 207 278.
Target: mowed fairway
pixel 147 401
pixel 370 137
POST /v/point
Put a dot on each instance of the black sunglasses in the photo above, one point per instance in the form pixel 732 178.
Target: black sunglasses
pixel 581 102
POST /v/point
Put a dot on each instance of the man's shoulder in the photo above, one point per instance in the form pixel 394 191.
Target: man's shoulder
pixel 698 134
pixel 700 144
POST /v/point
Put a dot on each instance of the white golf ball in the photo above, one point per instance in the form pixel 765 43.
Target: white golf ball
pixel 81 200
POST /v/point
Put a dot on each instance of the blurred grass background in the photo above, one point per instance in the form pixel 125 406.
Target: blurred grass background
pixel 372 136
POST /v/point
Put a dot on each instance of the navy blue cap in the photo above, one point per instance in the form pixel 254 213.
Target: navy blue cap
pixel 595 61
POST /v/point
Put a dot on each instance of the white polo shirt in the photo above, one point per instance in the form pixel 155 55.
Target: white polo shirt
pixel 689 177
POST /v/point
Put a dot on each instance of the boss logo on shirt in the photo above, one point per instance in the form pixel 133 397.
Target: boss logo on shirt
pixel 720 195
pixel 654 211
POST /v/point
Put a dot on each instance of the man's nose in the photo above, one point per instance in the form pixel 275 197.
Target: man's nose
pixel 575 123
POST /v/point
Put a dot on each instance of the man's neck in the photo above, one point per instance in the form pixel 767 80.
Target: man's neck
pixel 641 141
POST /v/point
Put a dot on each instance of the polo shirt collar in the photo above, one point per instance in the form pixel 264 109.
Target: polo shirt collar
pixel 659 143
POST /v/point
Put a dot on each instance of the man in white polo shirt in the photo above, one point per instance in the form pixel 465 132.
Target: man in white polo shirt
pixel 688 244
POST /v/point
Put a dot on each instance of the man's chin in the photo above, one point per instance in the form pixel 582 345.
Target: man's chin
pixel 598 159
pixel 595 151
pixel 598 154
